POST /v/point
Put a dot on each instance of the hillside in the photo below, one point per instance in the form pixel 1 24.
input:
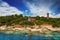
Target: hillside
pixel 28 21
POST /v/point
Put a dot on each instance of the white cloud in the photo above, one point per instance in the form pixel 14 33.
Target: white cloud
pixel 6 9
pixel 41 10
pixel 57 16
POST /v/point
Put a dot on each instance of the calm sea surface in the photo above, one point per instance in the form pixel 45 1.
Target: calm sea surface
pixel 24 36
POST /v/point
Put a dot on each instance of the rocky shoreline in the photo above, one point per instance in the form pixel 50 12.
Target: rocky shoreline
pixel 42 30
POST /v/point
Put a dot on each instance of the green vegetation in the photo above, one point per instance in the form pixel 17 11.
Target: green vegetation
pixel 23 20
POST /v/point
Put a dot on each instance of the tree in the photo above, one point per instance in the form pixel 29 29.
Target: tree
pixel 37 17
pixel 28 23
pixel 20 15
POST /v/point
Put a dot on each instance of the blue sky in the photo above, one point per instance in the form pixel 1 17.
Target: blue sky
pixel 30 7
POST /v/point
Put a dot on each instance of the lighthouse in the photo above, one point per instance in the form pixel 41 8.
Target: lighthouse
pixel 47 15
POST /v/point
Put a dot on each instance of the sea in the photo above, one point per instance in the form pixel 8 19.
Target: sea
pixel 24 36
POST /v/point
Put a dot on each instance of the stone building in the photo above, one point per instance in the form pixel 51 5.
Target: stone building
pixel 32 19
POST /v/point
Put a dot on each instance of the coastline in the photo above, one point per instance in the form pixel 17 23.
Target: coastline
pixel 47 31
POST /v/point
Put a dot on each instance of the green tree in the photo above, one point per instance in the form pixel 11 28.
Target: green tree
pixel 37 17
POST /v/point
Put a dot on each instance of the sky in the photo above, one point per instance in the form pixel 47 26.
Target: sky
pixel 30 7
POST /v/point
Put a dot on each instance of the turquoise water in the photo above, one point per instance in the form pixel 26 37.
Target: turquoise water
pixel 24 36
